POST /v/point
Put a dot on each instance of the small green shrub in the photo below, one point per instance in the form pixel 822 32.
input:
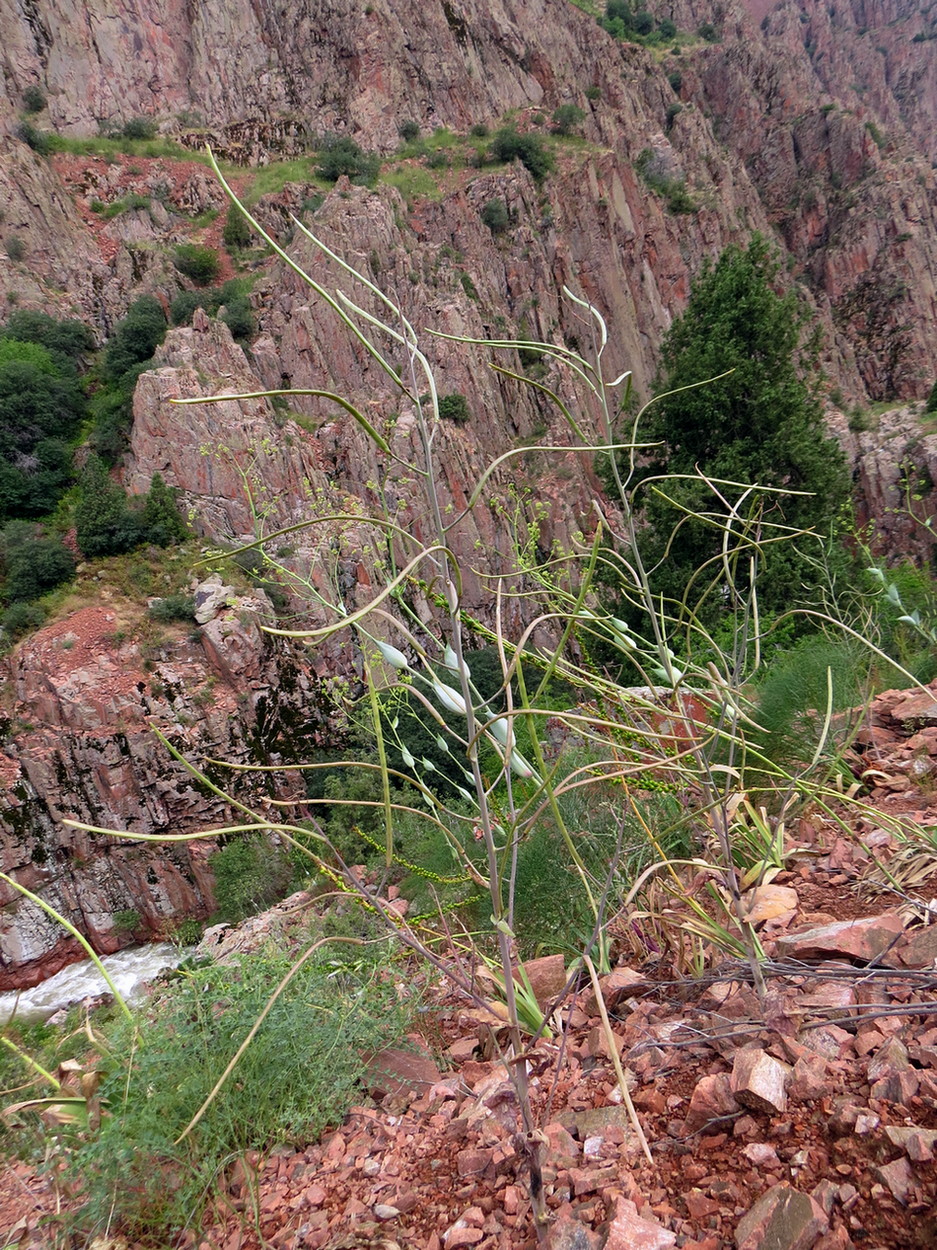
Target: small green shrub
pixel 454 407
pixel 495 216
pixel 38 140
pixel 251 873
pixel 300 1074
pixel 105 523
pixel 197 262
pixel 708 32
pixel 594 92
pixel 139 128
pixel 186 932
pixel 135 338
pixel 479 131
pixel 237 231
pixel 127 921
pixel 341 156
pixel 173 608
pixel 931 403
pixel 38 565
pixel 566 118
pixel 509 145
pixel 184 305
pixel 671 188
pixel 409 130
pixel 14 247
pixel 20 618
pixel 676 81
pixel 33 99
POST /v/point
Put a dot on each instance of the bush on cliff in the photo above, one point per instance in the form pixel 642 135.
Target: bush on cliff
pixel 107 523
pixel 34 563
pixel 128 354
pixel 509 145
pixel 341 156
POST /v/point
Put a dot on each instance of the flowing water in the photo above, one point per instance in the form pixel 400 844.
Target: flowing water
pixel 129 969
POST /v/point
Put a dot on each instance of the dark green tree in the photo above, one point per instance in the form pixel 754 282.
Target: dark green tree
pixel 36 566
pixel 135 337
pixel 104 522
pixel 237 231
pixel 68 341
pixel 340 155
pixel 495 216
pixel 162 522
pixel 762 423
pixel 42 405
pixel 197 262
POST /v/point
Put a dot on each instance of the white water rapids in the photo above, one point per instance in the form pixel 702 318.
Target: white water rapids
pixel 129 969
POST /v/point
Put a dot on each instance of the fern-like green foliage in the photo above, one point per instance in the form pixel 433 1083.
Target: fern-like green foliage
pixel 299 1074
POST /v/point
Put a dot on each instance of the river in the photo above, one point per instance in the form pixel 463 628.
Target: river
pixel 129 969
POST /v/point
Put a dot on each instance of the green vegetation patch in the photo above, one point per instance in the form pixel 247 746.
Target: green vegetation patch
pixel 299 1075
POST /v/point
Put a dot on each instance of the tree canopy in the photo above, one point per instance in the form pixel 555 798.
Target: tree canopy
pixel 760 423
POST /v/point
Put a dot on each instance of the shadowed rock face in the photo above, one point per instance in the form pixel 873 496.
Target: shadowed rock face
pixel 88 752
pixel 815 127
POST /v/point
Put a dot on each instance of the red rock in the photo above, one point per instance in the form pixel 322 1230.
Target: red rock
pixel 825 1195
pixel 782 1219
pixel 897 1087
pixel 917 706
pixel 406 1069
pixel 918 949
pixel 758 1081
pixel 809 1079
pixel 864 940
pixel 712 1099
pixel 547 977
pixel 628 1230
pixel 618 984
pixel 473 1162
pixel 461 1235
pixel 898 1177
pixel 769 902
pixel 830 1041
pixel 569 1233
pixel 699 1205
pixel 462 1049
pixel 761 1155
pixel 835 1239
pixel 589 1180
pixel 917 1143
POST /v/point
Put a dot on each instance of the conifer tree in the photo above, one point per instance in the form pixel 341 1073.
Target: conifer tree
pixel 762 424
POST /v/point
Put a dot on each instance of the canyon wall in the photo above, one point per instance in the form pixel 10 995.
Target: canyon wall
pixel 811 124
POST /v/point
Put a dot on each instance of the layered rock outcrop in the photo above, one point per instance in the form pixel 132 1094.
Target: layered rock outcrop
pixel 814 123
pixel 84 697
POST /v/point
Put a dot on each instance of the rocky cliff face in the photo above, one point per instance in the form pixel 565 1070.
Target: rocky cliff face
pixel 812 124
pixel 82 699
